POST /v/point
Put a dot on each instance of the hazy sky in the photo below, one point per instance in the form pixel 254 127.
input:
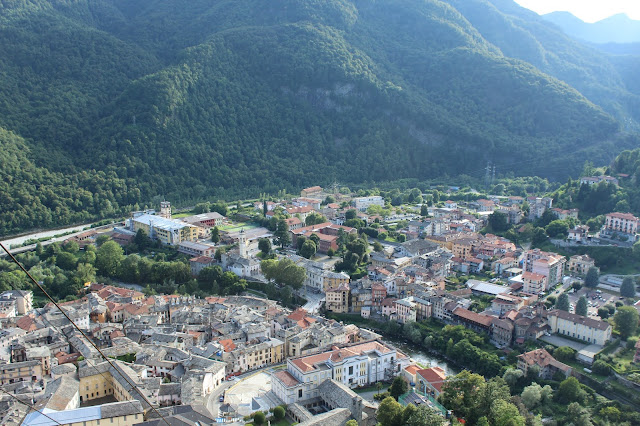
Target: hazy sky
pixel 587 10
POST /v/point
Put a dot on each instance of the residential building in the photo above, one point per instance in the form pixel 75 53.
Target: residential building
pixel 594 180
pixel 167 231
pixel 337 299
pixel 363 203
pixel 327 233
pixel 199 263
pixel 294 223
pixel 205 220
pixel 623 223
pixel 405 311
pixel 430 381
pixel 311 191
pixel 551 265
pixel 25 371
pixel 192 248
pixel 562 214
pixel 579 264
pixel 533 283
pixel 547 364
pixel 23 300
pixel 579 327
pixel 502 332
pixel 579 234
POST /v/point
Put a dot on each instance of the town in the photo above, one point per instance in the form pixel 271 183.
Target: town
pixel 307 328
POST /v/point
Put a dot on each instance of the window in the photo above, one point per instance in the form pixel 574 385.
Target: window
pixel 299 393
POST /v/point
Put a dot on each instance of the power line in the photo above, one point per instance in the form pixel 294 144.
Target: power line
pixel 29 405
pixel 83 333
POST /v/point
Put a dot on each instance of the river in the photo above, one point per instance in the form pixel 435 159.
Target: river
pixel 423 358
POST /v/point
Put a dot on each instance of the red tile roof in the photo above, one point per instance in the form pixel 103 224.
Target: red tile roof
pixel 435 376
pixel 286 378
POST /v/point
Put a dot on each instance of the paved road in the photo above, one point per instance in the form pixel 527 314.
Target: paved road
pixel 41 234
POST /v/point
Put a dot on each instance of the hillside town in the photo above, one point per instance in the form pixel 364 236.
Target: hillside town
pixel 222 358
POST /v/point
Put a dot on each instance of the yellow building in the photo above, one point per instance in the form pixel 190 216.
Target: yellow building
pixel 26 371
pixel 98 381
pixel 167 231
pixel 337 299
pixel 334 280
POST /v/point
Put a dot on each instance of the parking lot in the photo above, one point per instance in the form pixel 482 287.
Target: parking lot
pixel 595 299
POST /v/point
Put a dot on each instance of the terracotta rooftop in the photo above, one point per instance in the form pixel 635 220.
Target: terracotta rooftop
pixel 286 378
pixel 435 376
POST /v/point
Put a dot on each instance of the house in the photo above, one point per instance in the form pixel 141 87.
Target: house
pixel 199 263
pixel 594 180
pixel 294 223
pixel 430 381
pixel 579 327
pixel 450 204
pixel 472 320
pixel 565 214
pixel 547 364
pixel 579 234
pixel 580 264
pixel 312 190
pixel 502 332
pixel 327 232
pixel 405 311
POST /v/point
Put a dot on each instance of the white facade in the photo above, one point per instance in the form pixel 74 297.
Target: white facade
pixel 363 203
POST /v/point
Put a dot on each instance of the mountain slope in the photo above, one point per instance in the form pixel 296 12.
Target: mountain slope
pixel 614 29
pixel 225 99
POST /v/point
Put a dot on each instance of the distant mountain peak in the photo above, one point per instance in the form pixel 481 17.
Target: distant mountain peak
pixel 618 28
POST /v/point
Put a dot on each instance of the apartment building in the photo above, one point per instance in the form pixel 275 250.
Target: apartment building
pixel 533 283
pixel 623 223
pixel 551 265
pixel 337 299
pixel 580 264
pixel 363 203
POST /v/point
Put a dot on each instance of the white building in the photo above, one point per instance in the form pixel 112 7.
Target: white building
pixel 582 328
pixel 363 203
pixel 354 365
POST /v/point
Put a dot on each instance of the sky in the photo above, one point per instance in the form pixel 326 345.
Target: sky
pixel 587 10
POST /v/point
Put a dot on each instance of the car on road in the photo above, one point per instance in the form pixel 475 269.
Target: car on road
pixel 221 399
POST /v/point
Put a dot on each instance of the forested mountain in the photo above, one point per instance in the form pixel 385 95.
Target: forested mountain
pixel 109 103
pixel 614 29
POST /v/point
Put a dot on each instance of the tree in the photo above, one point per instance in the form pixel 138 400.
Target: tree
pixel 215 235
pixel 593 277
pixel 308 249
pixel 563 302
pixel 424 210
pixel 564 353
pixel 282 233
pixel 351 423
pixel 626 320
pixel 264 245
pixel 557 228
pixel 314 237
pixel 538 236
pixel 511 376
pixel 142 240
pixel 202 208
pixel 350 214
pixel 603 312
pixel 581 306
pixel 220 207
pixel 66 261
pixel 331 252
pixel 531 396
pixel 108 258
pixel 425 416
pixel 86 272
pixel 462 394
pixel 570 391
pixel 504 413
pixel 498 222
pixel 601 367
pixel 259 418
pixel 628 287
pixel 398 387
pixel 279 413
pixel 314 219
pixel 377 247
pixel 390 412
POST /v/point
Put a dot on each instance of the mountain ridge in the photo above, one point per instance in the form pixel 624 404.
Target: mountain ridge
pixel 618 28
pixel 225 99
